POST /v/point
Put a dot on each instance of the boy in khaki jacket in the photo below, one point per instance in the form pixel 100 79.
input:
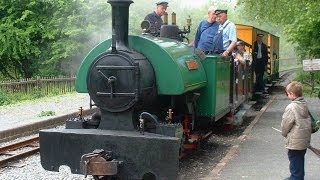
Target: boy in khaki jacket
pixel 296 128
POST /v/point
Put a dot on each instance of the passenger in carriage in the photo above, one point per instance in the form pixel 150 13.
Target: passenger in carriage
pixel 241 54
pixel 242 60
pixel 260 60
pixel 228 30
pixel 207 29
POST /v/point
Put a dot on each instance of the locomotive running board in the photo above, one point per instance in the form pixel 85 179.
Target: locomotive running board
pixel 140 154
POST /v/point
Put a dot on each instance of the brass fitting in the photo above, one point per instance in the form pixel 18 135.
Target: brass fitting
pixel 173 18
pixel 189 21
pixel 170 115
pixel 165 18
pixel 80 115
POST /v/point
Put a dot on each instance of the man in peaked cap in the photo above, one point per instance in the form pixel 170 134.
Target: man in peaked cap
pixel 219 11
pixel 228 30
pixel 260 60
pixel 155 17
pixel 163 3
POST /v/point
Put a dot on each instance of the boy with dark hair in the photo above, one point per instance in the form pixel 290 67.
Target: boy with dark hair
pixel 296 128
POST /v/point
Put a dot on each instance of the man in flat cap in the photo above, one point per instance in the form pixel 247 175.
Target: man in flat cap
pixel 228 30
pixel 260 60
pixel 155 17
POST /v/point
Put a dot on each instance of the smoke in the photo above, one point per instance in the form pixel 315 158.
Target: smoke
pixel 96 27
pixel 98 21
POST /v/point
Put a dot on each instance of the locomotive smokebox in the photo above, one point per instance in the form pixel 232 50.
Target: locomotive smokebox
pixel 121 80
pixel 120 23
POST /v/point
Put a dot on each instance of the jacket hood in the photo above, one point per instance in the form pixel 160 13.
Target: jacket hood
pixel 300 106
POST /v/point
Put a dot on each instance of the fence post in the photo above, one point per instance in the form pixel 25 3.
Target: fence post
pixel 38 83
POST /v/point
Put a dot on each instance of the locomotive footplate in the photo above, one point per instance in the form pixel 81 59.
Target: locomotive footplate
pixel 140 155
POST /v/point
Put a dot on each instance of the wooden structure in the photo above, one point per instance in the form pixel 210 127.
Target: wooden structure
pixel 45 85
pixel 248 34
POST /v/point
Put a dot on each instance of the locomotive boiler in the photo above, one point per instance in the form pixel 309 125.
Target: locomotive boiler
pixel 154 94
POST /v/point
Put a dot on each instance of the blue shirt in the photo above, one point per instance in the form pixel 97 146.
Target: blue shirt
pixel 205 34
pixel 229 33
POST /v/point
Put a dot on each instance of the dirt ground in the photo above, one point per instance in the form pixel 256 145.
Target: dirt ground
pixel 200 163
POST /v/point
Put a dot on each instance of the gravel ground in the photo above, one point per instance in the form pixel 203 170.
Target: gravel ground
pixel 26 112
pixel 200 163
pixel 30 169
pixel 196 165
pixel 23 113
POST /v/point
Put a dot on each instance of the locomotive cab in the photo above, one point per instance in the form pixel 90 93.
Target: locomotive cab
pixel 168 31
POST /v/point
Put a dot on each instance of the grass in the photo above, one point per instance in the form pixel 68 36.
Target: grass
pixel 7 98
pixel 306 79
pixel 46 113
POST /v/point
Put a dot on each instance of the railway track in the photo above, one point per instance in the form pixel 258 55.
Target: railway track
pixel 34 127
pixel 24 148
pixel 18 150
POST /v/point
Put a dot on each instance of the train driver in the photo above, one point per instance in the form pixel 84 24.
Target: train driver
pixel 155 17
pixel 229 32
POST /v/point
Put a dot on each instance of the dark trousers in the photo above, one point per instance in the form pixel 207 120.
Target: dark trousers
pixel 259 86
pixel 296 158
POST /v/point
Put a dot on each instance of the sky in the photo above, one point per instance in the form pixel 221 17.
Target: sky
pixel 199 3
pixel 195 3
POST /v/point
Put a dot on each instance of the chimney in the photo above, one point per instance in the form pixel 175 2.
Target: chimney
pixel 120 24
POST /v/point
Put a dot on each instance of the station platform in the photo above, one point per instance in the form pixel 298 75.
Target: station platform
pixel 260 153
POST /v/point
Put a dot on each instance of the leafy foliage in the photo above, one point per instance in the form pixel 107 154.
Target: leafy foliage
pixel 37 37
pixel 298 18
pixel 51 37
pixel 7 97
pixel 76 26
pixel 20 35
pixel 4 99
pixel 46 113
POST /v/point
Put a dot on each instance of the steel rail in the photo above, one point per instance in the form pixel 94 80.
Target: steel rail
pixel 18 145
pixel 8 150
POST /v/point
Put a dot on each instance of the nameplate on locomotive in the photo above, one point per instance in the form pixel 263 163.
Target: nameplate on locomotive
pixel 192 64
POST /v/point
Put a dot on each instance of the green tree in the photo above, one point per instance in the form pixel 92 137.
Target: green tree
pixel 21 31
pixel 77 27
pixel 298 18
pixel 39 37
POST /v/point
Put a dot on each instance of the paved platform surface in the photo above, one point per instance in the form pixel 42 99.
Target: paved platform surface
pixel 262 155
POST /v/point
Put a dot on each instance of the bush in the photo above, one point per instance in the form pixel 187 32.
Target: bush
pixel 37 94
pixel 306 79
pixel 4 98
pixel 46 113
